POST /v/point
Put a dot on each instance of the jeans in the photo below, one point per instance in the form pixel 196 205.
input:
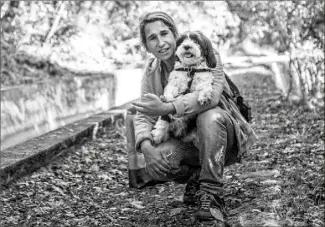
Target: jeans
pixel 217 149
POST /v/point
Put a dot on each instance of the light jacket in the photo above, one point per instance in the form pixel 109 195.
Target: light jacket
pixel 155 78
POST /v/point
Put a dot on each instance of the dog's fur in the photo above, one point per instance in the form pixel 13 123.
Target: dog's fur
pixel 194 51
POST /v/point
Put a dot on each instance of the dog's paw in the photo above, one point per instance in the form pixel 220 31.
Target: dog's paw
pixel 205 98
pixel 163 98
pixel 159 136
pixel 204 101
pixel 169 98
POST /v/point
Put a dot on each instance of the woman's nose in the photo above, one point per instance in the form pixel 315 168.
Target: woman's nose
pixel 161 42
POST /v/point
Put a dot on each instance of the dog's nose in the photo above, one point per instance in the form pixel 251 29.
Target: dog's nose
pixel 186 47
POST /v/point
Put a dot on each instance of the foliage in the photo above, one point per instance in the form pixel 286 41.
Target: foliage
pixel 96 35
pixel 292 27
pixel 103 35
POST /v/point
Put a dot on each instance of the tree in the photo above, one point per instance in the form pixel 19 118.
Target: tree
pixel 292 27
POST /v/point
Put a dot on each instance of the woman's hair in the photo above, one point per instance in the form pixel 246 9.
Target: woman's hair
pixel 156 16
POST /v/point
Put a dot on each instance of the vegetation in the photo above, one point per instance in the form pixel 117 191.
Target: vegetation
pixel 103 35
pixel 295 28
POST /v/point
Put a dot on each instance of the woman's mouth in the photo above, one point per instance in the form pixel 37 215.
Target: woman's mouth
pixel 163 50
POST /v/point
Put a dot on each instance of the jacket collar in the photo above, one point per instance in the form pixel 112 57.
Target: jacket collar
pixel 152 65
pixel 156 64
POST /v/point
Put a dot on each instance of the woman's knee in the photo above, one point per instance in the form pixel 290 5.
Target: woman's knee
pixel 169 148
pixel 207 118
pixel 179 152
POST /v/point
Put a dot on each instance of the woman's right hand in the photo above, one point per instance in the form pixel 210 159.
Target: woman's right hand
pixel 153 106
pixel 157 164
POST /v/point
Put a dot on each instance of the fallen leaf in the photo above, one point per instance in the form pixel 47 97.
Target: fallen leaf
pixel 271 223
pixel 59 190
pixel 137 204
pixel 176 211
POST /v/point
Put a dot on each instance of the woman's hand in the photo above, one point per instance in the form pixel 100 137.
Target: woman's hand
pixel 153 106
pixel 157 164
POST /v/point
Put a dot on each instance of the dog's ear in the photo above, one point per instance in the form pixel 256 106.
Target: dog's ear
pixel 177 58
pixel 180 40
pixel 208 52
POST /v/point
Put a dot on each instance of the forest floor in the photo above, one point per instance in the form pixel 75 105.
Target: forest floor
pixel 280 181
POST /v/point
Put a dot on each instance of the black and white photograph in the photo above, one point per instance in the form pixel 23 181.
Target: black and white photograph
pixel 162 113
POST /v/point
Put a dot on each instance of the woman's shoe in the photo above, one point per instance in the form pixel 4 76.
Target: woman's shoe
pixel 211 209
pixel 189 195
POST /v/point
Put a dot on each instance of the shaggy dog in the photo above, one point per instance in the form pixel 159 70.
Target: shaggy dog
pixel 192 73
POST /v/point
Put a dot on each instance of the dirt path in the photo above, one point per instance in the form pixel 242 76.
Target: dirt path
pixel 279 183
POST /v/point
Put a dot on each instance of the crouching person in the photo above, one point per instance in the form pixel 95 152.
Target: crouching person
pixel 224 134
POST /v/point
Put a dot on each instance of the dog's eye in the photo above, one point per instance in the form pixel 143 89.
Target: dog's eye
pixel 195 41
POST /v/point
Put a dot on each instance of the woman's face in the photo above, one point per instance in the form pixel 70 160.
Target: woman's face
pixel 160 40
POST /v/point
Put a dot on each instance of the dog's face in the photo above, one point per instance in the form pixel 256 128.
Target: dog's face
pixel 192 47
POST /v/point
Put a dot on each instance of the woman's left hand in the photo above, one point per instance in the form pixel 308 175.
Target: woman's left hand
pixel 153 106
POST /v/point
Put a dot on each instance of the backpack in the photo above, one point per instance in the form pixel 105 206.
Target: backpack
pixel 242 105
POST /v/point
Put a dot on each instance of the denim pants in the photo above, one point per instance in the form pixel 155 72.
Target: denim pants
pixel 217 149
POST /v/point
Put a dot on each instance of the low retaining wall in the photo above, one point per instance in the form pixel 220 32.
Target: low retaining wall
pixel 28 156
pixel 277 64
pixel 31 110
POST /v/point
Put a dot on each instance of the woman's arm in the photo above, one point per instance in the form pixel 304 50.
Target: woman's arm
pixel 187 104
pixel 156 161
pixel 143 123
pixel 151 105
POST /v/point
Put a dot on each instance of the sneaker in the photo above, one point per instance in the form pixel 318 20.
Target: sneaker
pixel 189 195
pixel 211 208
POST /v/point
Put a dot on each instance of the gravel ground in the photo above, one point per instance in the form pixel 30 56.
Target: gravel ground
pixel 279 182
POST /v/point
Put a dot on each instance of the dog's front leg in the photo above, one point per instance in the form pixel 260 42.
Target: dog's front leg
pixel 203 84
pixel 205 96
pixel 160 133
pixel 170 93
pixel 177 85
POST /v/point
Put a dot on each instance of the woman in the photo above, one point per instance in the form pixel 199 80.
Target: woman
pixel 223 132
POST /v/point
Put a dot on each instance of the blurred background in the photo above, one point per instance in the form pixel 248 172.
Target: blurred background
pixel 62 61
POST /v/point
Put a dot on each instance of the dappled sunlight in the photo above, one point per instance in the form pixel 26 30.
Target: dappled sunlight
pixel 62 61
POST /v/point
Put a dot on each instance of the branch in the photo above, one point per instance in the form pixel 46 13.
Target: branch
pixel 55 23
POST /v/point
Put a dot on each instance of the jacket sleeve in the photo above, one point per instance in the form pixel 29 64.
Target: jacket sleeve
pixel 143 124
pixel 186 105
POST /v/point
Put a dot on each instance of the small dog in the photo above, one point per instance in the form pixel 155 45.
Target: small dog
pixel 192 73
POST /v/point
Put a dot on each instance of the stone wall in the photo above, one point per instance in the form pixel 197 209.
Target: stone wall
pixel 31 110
